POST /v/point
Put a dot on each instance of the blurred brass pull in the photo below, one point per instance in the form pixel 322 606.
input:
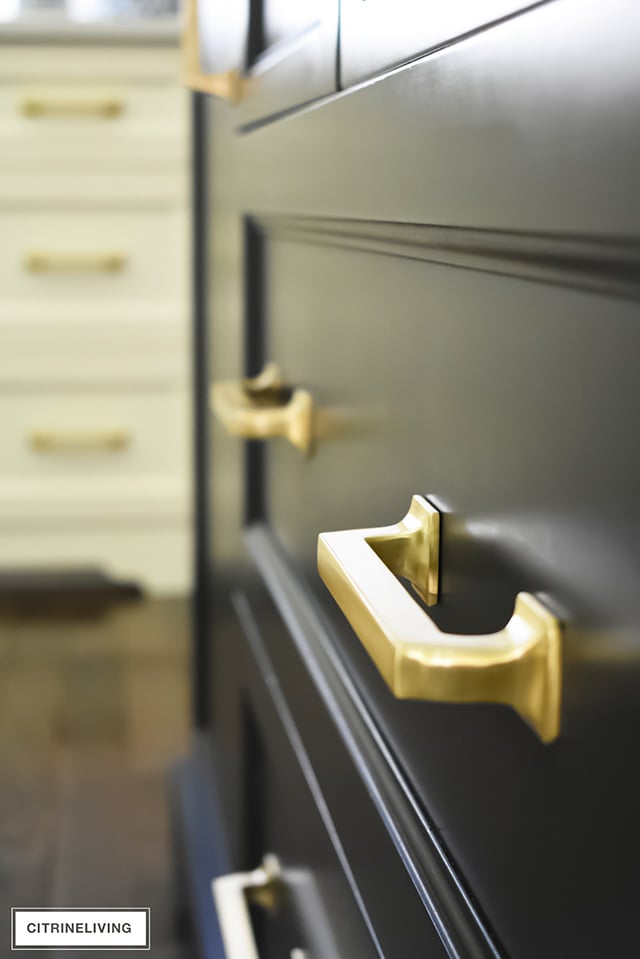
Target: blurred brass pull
pixel 41 261
pixel 519 666
pixel 49 106
pixel 225 86
pixel 264 886
pixel 228 85
pixel 264 407
pixel 268 383
pixel 79 441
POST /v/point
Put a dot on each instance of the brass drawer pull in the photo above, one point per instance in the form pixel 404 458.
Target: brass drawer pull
pixel 79 441
pixel 48 106
pixel 231 894
pixel 229 85
pixel 519 666
pixel 41 261
pixel 264 407
pixel 225 86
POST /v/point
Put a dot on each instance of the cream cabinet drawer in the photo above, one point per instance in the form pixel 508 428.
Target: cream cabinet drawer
pixel 82 122
pixel 54 257
pixel 74 104
pixel 92 434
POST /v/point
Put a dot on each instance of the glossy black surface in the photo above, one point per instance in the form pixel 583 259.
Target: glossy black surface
pixel 448 259
pixel 290 59
pixel 273 802
pixel 286 53
pixel 378 35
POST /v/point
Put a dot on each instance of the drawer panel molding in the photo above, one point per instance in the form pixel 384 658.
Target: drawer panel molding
pixel 601 264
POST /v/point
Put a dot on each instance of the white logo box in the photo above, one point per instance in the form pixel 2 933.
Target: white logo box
pixel 87 929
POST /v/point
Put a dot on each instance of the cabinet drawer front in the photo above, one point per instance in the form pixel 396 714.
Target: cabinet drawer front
pixel 377 36
pixel 295 62
pixel 88 122
pixel 279 804
pixel 148 125
pixel 445 260
pixel 265 59
pixel 114 257
pixel 509 404
pixel 93 435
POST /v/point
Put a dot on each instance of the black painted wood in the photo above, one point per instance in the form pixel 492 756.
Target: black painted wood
pixel 581 262
pixel 285 813
pixel 287 54
pixel 375 36
pixel 357 771
pixel 447 257
pixel 479 395
pixel 290 57
pixel 255 351
pixel 201 601
pixel 269 796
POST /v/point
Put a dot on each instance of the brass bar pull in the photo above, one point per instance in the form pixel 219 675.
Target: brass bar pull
pixel 229 85
pixel 43 261
pixel 79 441
pixel 519 666
pixel 49 106
pixel 232 894
pixel 265 407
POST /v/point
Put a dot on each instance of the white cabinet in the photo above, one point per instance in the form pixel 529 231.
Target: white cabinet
pixel 94 331
pixel 116 255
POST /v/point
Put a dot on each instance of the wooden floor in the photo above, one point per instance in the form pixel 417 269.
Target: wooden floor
pixel 92 712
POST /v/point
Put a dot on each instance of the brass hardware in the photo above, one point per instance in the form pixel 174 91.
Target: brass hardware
pixel 231 895
pixel 265 407
pixel 79 441
pixel 229 85
pixel 266 384
pixel 40 261
pixel 49 106
pixel 225 86
pixel 519 665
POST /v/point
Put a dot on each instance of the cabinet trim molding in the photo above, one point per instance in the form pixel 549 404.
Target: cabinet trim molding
pixel 604 265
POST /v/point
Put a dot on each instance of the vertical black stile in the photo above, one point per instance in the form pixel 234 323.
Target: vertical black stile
pixel 201 611
pixel 255 355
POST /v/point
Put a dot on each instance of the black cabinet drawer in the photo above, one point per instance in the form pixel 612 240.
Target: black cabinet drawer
pixel 311 804
pixel 479 391
pixel 291 56
pixel 379 34
pixel 270 804
pixel 265 56
pixel 446 260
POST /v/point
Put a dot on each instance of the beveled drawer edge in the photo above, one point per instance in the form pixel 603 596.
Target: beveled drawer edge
pixel 252 634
